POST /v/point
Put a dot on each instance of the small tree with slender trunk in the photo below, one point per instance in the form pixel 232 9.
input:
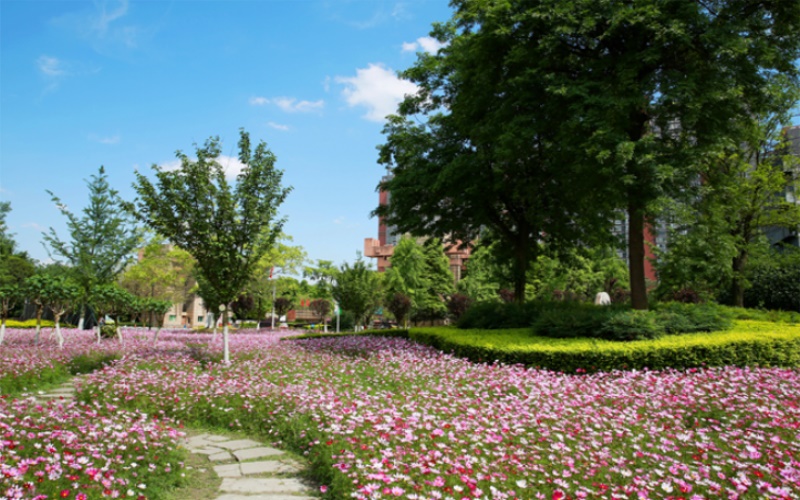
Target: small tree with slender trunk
pixel 321 308
pixel 399 305
pixel 9 294
pixel 60 295
pixel 227 229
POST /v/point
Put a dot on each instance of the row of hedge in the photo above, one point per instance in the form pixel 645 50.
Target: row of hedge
pixel 749 343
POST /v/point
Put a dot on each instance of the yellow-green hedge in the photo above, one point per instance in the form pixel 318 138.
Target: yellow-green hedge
pixel 749 343
pixel 31 323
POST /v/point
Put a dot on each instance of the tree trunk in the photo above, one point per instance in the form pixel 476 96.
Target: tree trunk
pixel 521 261
pixel 2 331
pixel 118 330
pixel 59 337
pixel 82 318
pixel 737 285
pixel 636 255
pixel 39 310
pixel 226 355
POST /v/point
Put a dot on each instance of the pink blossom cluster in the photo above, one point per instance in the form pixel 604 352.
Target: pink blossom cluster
pixel 59 450
pixel 394 419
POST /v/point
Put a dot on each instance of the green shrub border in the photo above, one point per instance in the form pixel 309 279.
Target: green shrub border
pixel 749 343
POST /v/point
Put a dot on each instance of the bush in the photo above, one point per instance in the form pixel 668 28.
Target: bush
pixel 31 323
pixel 490 315
pixel 749 343
pixel 762 315
pixel 678 317
pixel 572 319
pixel 775 287
pixel 457 305
pixel 631 325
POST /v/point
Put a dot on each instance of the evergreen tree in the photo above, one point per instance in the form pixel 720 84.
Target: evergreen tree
pixel 101 242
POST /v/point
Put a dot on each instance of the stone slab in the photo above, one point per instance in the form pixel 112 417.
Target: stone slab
pixel 260 452
pixel 267 467
pixel 232 496
pixel 197 442
pixel 238 444
pixel 229 470
pixel 221 457
pixel 249 485
pixel 62 390
pixel 207 451
pixel 216 439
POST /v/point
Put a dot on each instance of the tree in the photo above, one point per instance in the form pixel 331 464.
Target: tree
pixel 616 96
pixel 358 290
pixel 400 306
pixel 747 182
pixel 9 295
pixel 226 229
pixel 7 243
pixel 283 305
pixel 109 300
pixel 156 309
pixel 101 242
pixel 321 308
pixel 323 273
pixel 35 289
pixel 163 272
pixel 60 295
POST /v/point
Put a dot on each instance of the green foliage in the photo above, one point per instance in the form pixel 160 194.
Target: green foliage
pixel 482 280
pixel 163 272
pixel 750 343
pixel 495 315
pixel 571 320
pixel 579 273
pixel 775 287
pixel 400 306
pixel 421 273
pixel 101 241
pixel 228 230
pixel 358 290
pixel 740 313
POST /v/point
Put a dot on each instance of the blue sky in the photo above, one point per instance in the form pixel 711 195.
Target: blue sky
pixel 125 84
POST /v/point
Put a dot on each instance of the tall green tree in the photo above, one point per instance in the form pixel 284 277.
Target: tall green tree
pixel 7 243
pixel 562 96
pixel 742 196
pixel 101 241
pixel 227 229
pixel 357 289
pixel 162 272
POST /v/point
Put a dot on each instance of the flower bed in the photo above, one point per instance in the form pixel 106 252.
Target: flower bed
pixel 81 452
pixel 387 418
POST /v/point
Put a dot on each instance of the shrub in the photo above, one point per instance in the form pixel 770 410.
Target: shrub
pixel 775 287
pixel 631 325
pixel 457 305
pixel 762 315
pixel 749 343
pixel 571 320
pixel 489 315
pixel 686 295
pixel 678 317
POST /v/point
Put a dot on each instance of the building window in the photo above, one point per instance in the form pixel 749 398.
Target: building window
pixel 172 317
pixel 199 319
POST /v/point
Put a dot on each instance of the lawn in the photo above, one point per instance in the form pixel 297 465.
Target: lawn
pixel 389 418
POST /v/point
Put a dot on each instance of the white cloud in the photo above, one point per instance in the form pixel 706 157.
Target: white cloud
pixel 258 101
pixel 33 225
pixel 426 43
pixel 278 126
pixel 114 139
pixel 376 88
pixel 292 105
pixel 51 66
pixel 230 165
pixel 105 16
pixel 289 104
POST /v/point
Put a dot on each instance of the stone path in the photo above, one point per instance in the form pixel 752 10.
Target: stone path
pixel 249 469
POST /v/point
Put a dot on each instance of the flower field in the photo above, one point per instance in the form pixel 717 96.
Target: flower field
pixel 387 418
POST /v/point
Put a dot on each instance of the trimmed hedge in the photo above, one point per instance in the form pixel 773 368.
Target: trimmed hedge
pixel 392 332
pixel 31 323
pixel 749 343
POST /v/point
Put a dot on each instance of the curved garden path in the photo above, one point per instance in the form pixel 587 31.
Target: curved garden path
pixel 249 469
